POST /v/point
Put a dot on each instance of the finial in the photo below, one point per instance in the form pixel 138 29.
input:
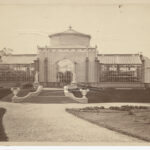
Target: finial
pixel 70 27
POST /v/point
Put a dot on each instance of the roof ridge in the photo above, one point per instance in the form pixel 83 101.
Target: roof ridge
pixel 70 31
pixel 118 54
pixel 23 55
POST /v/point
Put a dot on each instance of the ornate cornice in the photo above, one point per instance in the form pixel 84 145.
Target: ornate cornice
pixel 65 49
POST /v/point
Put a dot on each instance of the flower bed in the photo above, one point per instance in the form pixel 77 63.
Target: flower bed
pixel 130 120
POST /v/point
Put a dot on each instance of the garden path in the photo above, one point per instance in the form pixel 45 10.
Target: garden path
pixel 51 123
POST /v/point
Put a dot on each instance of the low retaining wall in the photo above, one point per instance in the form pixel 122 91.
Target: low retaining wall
pixel 17 99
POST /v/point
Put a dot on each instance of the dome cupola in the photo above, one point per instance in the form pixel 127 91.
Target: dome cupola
pixel 70 38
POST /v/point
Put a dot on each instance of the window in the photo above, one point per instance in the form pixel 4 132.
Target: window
pixel 16 73
pixel 120 73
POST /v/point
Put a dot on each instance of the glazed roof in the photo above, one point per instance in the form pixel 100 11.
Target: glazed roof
pixel 18 59
pixel 70 31
pixel 129 59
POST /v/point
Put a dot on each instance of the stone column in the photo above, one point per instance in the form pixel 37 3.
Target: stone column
pixel 28 73
pixel 87 70
pixel 96 70
pixel 143 71
pixel 46 70
pixel 36 65
pixel 74 79
pixel 36 69
pixel 75 68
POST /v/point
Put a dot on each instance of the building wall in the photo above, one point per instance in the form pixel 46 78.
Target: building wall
pixel 78 56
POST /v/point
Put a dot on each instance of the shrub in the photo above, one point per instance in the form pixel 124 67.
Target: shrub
pixel 97 107
pixel 27 86
pixel 92 108
pixel 18 84
pixel 127 107
pixel 130 112
pixel 114 108
pixel 122 108
pixel 4 92
pixel 143 107
pixel 134 107
pixel 102 107
pixel 88 108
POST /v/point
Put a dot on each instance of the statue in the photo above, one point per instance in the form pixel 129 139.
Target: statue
pixel 36 78
pixel 74 81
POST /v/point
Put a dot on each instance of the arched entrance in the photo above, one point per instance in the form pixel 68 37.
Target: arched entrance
pixel 64 78
pixel 66 72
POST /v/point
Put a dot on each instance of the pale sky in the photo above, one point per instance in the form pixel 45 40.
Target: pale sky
pixel 119 26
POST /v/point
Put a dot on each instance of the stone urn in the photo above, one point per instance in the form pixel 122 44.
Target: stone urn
pixel 66 89
pixel 84 92
pixel 15 90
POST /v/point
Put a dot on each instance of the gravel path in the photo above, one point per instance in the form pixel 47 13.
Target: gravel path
pixel 51 123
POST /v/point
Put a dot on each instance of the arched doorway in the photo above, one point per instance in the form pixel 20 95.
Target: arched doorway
pixel 64 78
pixel 66 71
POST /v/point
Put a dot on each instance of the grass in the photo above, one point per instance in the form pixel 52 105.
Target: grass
pixel 3 136
pixel 98 95
pixel 132 121
pixel 24 92
pixel 4 92
pixel 7 98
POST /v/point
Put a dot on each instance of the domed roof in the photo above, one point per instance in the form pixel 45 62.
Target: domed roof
pixel 70 31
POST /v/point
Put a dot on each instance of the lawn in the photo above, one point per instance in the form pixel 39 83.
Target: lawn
pixel 133 121
pixel 98 95
pixel 4 92
pixel 24 92
pixel 7 96
pixel 3 136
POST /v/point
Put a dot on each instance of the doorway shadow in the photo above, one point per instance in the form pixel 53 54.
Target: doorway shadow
pixel 3 136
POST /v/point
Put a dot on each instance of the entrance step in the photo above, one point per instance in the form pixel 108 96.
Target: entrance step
pixel 52 93
pixel 51 96
pixel 50 99
pixel 53 89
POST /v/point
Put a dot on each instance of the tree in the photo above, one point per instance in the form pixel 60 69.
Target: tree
pixel 6 51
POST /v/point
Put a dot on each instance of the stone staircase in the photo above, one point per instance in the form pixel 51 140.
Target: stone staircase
pixel 52 93
pixel 51 96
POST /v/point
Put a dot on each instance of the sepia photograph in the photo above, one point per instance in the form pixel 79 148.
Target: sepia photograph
pixel 74 72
